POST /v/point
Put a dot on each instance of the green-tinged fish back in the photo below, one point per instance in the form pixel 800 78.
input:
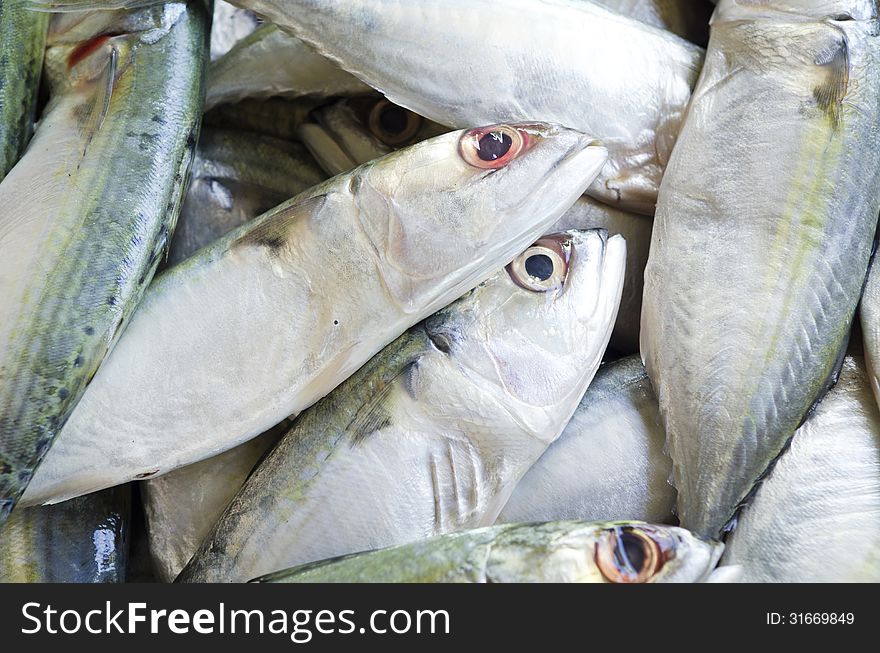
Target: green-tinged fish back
pixel 22 43
pixel 459 557
pixel 125 113
pixel 567 551
pixel 84 540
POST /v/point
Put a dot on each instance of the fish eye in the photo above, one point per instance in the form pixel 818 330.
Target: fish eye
pixel 544 265
pixel 630 555
pixel 493 147
pixel 392 124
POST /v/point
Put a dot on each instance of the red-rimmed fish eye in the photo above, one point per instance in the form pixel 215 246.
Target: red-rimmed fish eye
pixel 543 266
pixel 493 147
pixel 627 554
pixel 392 124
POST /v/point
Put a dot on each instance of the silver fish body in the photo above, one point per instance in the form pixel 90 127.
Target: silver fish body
pixel 84 540
pixel 269 63
pixel 229 25
pixel 22 44
pixel 237 176
pixel 269 319
pixel 88 211
pixel 182 506
pixel 761 243
pixel 687 18
pixel 566 61
pixel 434 432
pixel 609 461
pixel 816 517
pixel 563 552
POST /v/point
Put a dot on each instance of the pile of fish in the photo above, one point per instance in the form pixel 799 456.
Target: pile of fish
pixel 439 291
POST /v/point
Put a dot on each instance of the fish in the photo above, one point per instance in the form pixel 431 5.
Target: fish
pixel 815 518
pixel 89 209
pixel 182 506
pixel 761 243
pixel 355 130
pixel 560 552
pixel 237 176
pixel 271 63
pixel 22 44
pixel 432 435
pixel 275 117
pixel 688 19
pixel 229 25
pixel 84 540
pixel 469 62
pixel 352 131
pixel 609 461
pixel 270 318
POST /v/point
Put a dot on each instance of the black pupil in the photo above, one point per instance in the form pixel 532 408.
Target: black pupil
pixel 494 145
pixel 393 120
pixel 539 266
pixel 630 553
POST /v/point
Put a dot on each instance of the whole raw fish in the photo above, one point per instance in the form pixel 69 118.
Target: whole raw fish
pixel 761 242
pixel 88 210
pixel 22 44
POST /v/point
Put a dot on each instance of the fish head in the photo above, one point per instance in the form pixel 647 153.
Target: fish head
pixel 634 552
pixel 438 209
pixel 352 131
pixel 536 331
pixel 92 49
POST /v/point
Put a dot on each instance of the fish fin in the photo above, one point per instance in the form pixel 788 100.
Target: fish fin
pixel 64 6
pixel 831 90
pixel 100 105
pixel 273 230
pixel 374 415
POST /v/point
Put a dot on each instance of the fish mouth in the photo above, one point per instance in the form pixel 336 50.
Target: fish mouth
pixel 586 152
pixel 328 150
